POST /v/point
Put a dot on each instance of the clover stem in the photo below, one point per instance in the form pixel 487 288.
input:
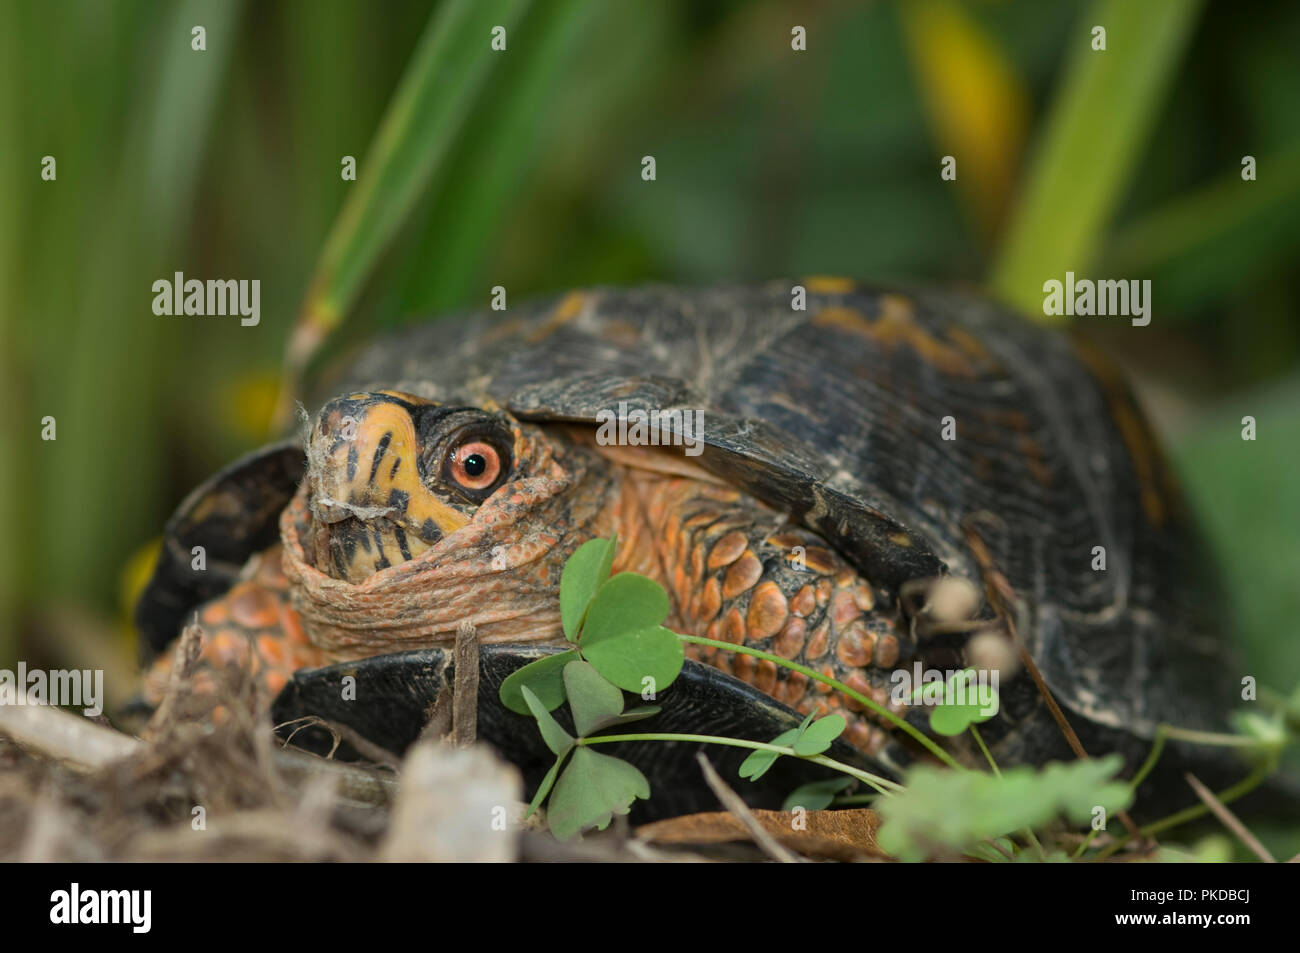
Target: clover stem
pixel 881 784
pixel 1167 731
pixel 1241 788
pixel 988 755
pixel 1086 842
pixel 1157 749
pixel 902 724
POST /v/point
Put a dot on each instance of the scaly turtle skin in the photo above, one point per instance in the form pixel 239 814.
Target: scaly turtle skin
pixel 847 452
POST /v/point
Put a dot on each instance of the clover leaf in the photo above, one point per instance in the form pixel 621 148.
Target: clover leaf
pixel 758 762
pixel 809 739
pixel 817 737
pixel 944 810
pixel 622 604
pixel 642 659
pixel 815 795
pixel 545 677
pixel 594 702
pixel 583 574
pixel 591 790
pixel 623 638
pixel 556 738
pixel 592 787
pixel 948 716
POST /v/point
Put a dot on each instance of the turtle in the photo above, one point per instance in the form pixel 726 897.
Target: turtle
pixel 803 465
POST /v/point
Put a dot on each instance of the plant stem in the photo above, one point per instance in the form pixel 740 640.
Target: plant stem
pixel 988 755
pixel 883 785
pixel 1241 788
pixel 1157 749
pixel 1165 732
pixel 1084 846
pixel 927 743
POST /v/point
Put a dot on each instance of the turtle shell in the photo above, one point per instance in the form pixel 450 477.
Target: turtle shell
pixel 919 432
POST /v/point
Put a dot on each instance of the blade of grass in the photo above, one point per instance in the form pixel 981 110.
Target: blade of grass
pixel 494 157
pixel 78 321
pixel 105 386
pixel 13 485
pixel 1198 217
pixel 433 101
pixel 1091 144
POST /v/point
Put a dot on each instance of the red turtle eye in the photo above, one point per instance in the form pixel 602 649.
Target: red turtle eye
pixel 475 465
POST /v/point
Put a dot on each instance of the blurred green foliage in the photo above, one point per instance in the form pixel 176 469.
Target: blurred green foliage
pixel 225 163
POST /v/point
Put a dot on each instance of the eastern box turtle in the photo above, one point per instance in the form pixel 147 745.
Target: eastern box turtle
pixel 836 460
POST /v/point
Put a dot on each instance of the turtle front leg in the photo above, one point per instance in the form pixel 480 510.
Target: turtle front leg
pixel 252 627
pixel 739 572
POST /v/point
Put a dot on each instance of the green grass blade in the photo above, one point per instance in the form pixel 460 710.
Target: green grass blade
pixel 1092 143
pixel 495 157
pixel 14 484
pixel 78 324
pixel 435 98
pixel 1219 239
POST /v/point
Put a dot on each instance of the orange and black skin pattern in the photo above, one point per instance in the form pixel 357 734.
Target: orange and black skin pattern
pixel 737 572
pixel 393 539
pixel 253 627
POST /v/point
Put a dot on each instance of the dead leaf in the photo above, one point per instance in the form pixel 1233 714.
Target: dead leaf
pixel 848 835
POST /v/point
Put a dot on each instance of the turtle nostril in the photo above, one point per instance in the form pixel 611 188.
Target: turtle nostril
pixel 327 510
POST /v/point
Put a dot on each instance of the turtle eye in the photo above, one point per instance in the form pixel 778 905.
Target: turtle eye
pixel 475 465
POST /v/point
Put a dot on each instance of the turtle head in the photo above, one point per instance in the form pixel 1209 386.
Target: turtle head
pixel 416 517
pixel 390 475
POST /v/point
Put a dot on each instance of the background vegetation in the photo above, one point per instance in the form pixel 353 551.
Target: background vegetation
pixel 523 170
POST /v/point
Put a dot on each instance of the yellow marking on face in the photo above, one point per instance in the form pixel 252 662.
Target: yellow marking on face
pixel 375 479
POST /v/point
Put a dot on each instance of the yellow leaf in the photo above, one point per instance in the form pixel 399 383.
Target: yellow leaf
pixel 975 102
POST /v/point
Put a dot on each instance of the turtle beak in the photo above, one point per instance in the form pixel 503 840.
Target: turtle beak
pixel 369 505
